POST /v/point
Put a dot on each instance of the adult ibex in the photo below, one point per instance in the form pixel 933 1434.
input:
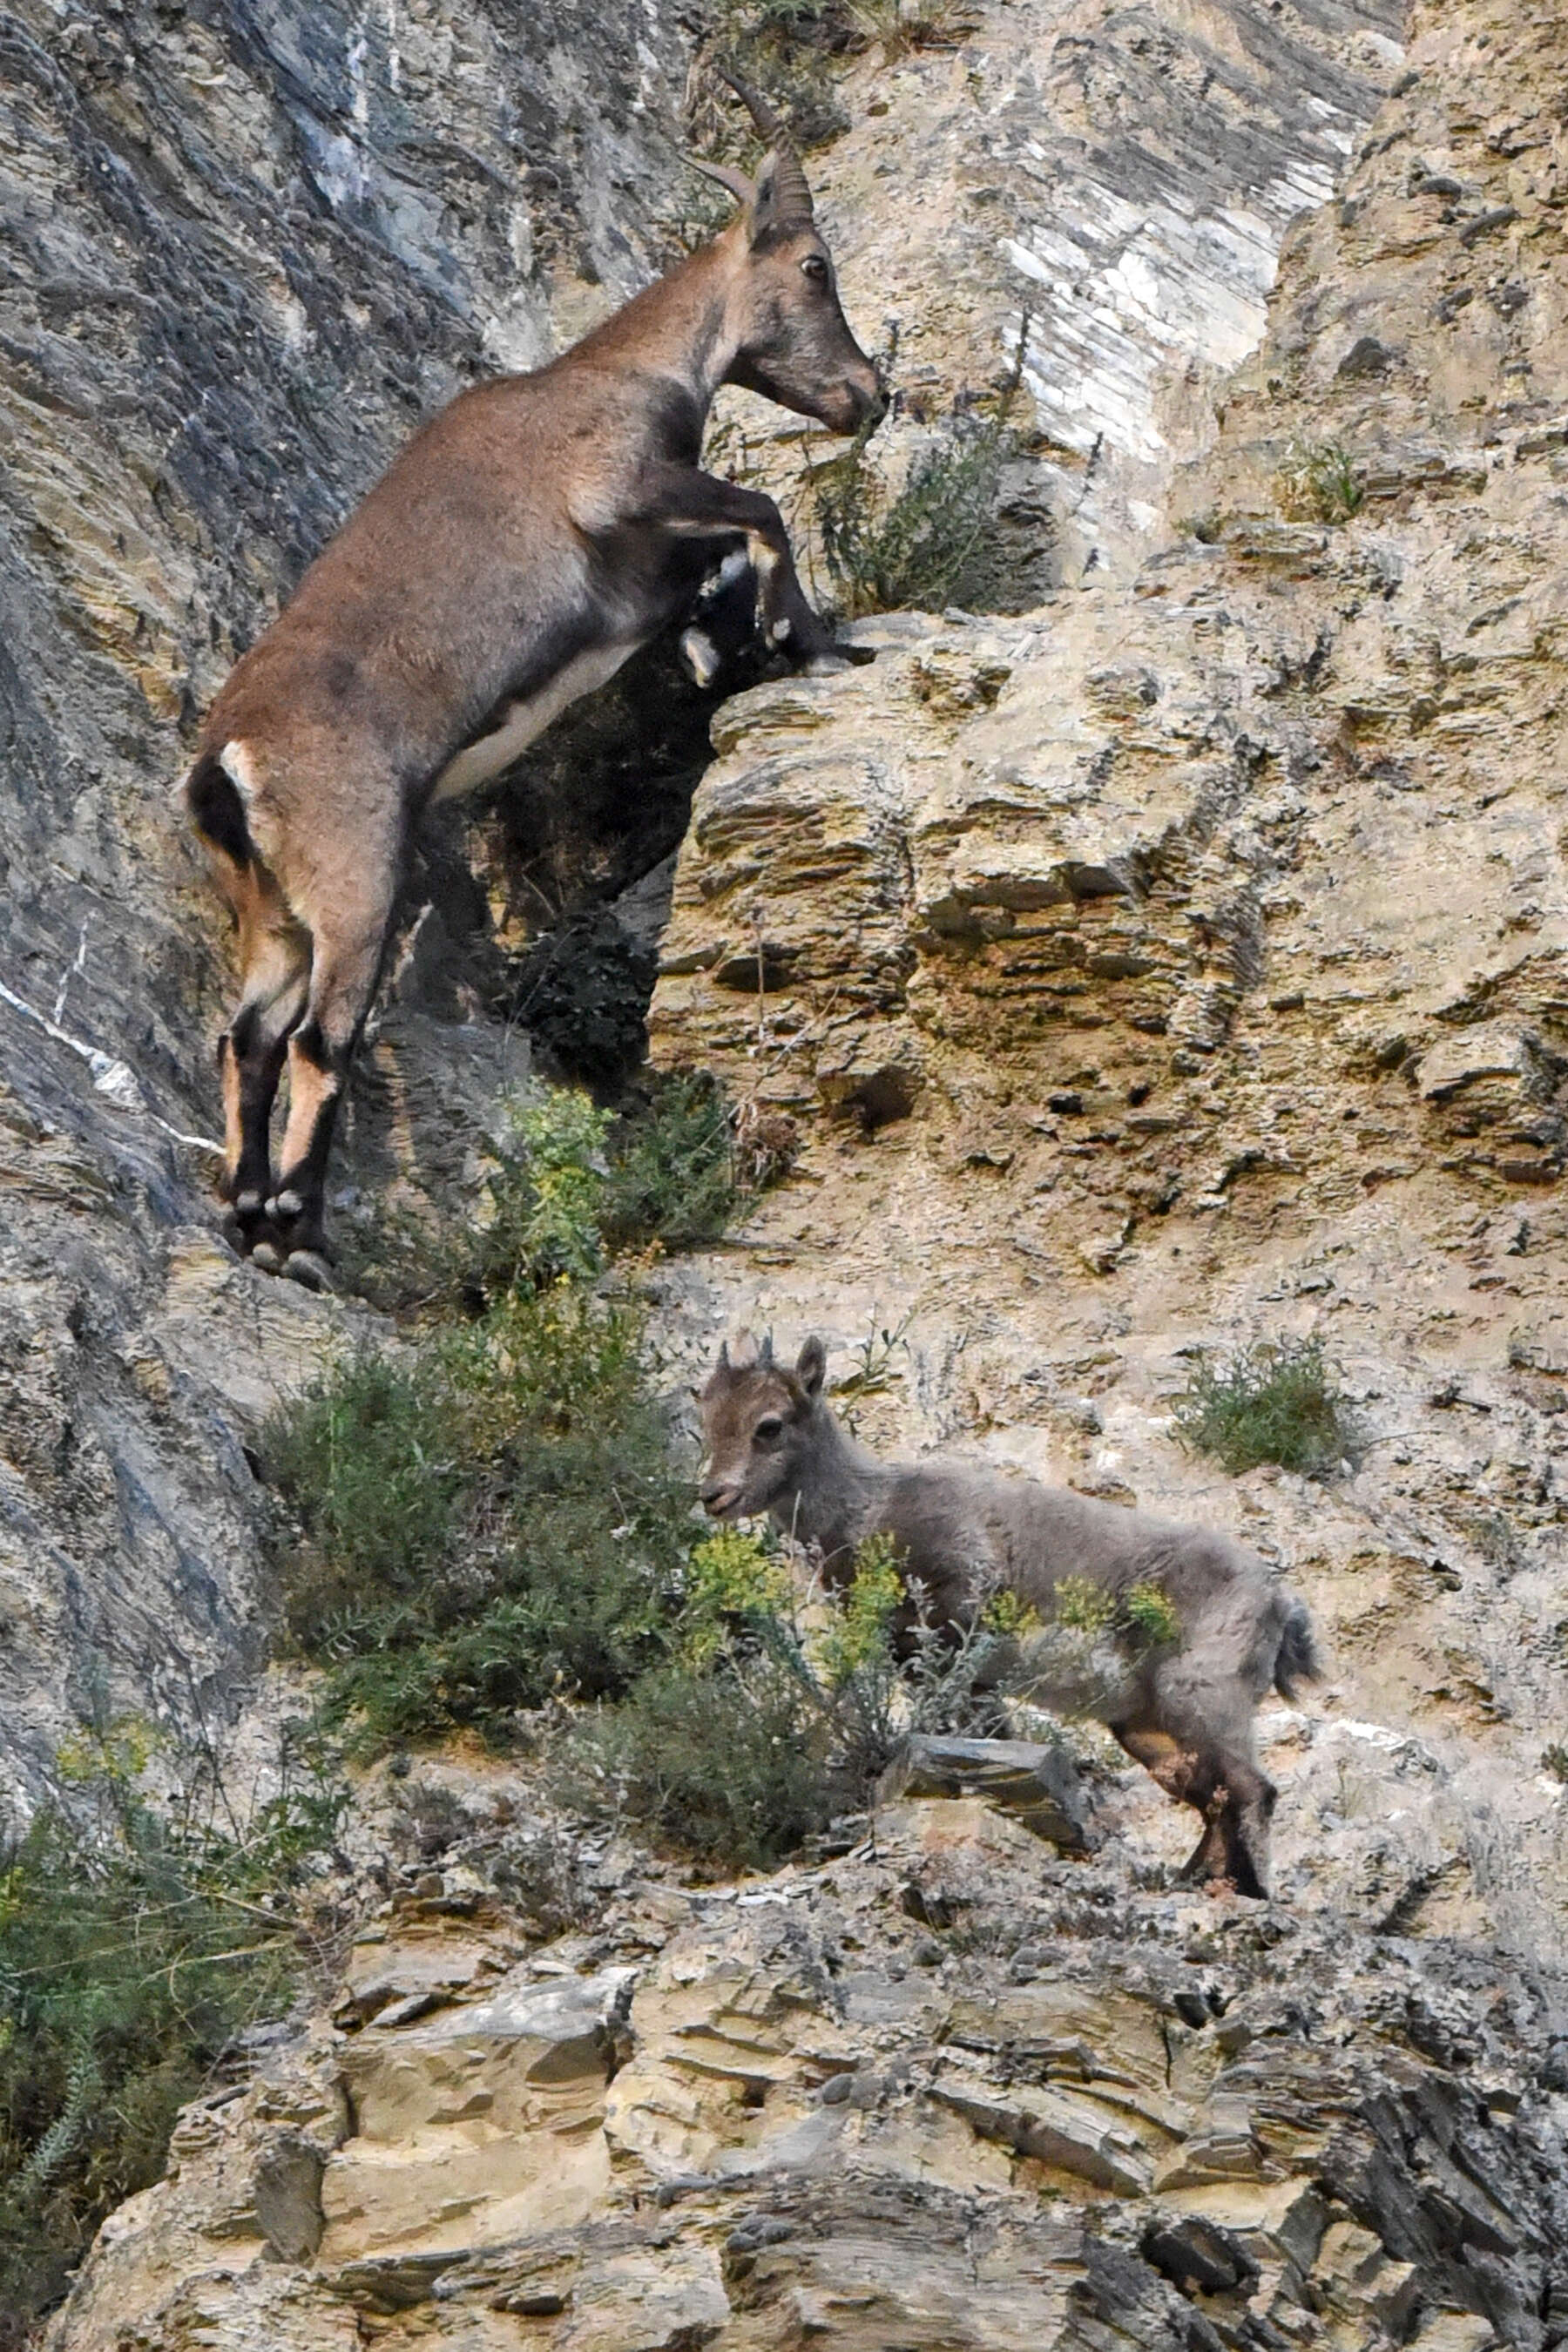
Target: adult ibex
pixel 534 535
pixel 1183 1710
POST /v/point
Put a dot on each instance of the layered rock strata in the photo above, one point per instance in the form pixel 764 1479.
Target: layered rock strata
pixel 944 2093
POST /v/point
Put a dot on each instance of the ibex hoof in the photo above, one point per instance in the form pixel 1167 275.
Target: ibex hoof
pixel 780 632
pixel 247 1204
pixel 305 1267
pixel 285 1205
pixel 700 655
pixel 267 1256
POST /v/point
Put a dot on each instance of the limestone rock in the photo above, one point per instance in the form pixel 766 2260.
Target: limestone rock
pixel 1037 1785
pixel 1191 2115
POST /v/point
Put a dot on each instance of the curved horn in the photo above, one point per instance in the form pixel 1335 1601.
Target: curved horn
pixel 756 106
pixel 727 177
pixel 790 196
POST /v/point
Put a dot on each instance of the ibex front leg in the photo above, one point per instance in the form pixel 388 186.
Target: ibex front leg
pixel 348 941
pixel 681 499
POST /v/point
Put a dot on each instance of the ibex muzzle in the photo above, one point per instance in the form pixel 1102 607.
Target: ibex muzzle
pixel 532 536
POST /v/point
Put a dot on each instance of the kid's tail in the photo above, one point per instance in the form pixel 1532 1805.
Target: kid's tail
pixel 1297 1660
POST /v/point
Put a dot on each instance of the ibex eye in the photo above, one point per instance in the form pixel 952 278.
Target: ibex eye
pixel 815 268
pixel 768 1429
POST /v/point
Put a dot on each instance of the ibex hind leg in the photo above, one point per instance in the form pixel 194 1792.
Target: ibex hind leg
pixel 1199 1751
pixel 348 944
pixel 275 970
pixel 251 1056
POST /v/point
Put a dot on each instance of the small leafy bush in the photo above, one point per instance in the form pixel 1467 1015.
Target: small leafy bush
pixel 727 1764
pixel 672 1176
pixel 545 1195
pixel 936 541
pixel 772 1716
pixel 135 1947
pixel 548 1555
pixel 573 1184
pixel 1318 482
pixel 1275 1401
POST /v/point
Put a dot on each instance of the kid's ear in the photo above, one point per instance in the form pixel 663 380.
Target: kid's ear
pixel 811 1367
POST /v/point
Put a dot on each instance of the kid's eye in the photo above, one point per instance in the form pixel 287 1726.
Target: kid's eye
pixel 815 268
pixel 766 1431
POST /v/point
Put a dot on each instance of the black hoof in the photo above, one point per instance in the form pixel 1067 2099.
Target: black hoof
pixel 307 1268
pixel 267 1256
pixel 244 1222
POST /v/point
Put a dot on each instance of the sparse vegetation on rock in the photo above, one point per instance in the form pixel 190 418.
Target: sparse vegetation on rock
pixel 1275 1401
pixel 937 540
pixel 1318 481
pixel 138 1943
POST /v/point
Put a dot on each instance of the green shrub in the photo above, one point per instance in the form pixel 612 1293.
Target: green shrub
pixel 1318 482
pixel 672 1175
pixel 551 1558
pixel 545 1194
pixel 1276 1401
pixel 135 1947
pixel 935 543
pixel 725 1763
pixel 764 1724
pixel 572 1184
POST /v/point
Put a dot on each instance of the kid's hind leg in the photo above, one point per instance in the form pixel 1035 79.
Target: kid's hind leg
pixel 1202 1700
pixel 348 947
pixel 275 958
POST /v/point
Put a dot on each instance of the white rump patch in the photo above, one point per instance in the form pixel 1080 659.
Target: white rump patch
pixel 239 767
pixel 525 721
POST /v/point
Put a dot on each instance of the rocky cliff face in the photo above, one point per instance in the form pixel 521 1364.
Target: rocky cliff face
pixel 246 252
pixel 946 2092
pixel 1183 962
pixel 1178 962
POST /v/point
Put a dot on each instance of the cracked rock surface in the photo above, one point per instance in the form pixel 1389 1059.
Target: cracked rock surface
pixel 1077 2115
pixel 1176 964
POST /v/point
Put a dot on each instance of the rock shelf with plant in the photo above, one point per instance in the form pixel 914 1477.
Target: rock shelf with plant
pixel 494 1516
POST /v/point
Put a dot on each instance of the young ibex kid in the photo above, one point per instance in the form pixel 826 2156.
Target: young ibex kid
pixel 1182 1709
pixel 534 535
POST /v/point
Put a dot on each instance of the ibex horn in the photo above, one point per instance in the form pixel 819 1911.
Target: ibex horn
pixel 791 190
pixel 757 106
pixel 727 177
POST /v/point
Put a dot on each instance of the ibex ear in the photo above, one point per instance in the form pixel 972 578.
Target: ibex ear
pixel 811 1367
